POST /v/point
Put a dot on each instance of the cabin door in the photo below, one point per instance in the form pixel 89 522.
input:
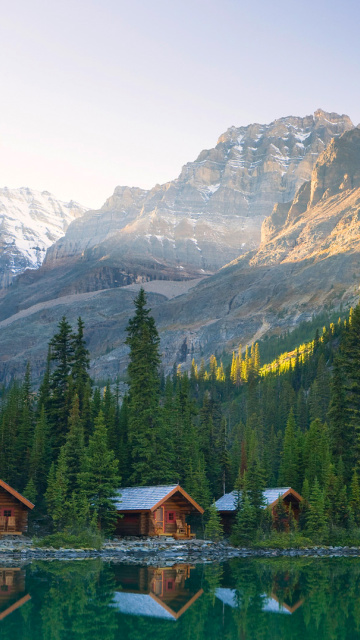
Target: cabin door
pixel 159 520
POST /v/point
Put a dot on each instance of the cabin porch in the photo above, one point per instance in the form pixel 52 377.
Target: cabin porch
pixel 10 526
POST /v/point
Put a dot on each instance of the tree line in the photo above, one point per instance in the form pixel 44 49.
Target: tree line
pixel 70 445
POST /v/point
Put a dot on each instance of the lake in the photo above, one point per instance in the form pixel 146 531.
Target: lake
pixel 244 599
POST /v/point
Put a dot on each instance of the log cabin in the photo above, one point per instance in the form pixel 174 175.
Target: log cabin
pixel 226 505
pixel 155 511
pixel 14 509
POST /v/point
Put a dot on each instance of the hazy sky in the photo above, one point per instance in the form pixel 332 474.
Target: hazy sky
pixel 99 93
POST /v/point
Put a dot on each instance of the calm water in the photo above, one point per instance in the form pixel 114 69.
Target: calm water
pixel 241 599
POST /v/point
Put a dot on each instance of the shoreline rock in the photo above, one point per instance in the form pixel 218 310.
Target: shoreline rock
pixel 152 551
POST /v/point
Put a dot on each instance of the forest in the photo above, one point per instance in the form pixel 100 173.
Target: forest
pixel 68 445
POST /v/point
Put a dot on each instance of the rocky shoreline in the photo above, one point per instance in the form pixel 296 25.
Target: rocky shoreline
pixel 152 551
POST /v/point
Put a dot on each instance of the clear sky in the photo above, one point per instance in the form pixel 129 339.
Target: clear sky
pixel 99 93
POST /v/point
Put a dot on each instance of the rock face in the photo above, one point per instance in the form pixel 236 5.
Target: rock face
pixel 210 214
pixel 308 258
pixel 30 222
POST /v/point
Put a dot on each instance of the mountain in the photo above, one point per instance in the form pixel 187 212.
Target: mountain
pixel 205 218
pixel 308 260
pixel 30 222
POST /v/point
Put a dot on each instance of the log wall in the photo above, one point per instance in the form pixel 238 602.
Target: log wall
pixel 18 510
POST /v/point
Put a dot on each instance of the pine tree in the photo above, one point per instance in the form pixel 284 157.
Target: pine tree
pixel 281 516
pixel 317 519
pixel 100 478
pixel 62 353
pixel 289 465
pixel 245 523
pixel 57 491
pixel 355 498
pixel 144 394
pixel 74 447
pixel 339 430
pixel 40 456
pixel 255 489
pixel 213 528
pixel 80 363
pixel 350 358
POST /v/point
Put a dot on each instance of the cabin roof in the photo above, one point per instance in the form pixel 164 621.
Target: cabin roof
pixel 16 494
pixel 141 604
pixel 268 603
pixel 149 498
pixel 228 501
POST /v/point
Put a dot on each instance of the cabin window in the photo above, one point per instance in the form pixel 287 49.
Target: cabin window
pixel 171 516
pixel 170 585
pixel 7 513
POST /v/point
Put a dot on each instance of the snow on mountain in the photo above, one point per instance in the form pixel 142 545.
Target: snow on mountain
pixel 30 222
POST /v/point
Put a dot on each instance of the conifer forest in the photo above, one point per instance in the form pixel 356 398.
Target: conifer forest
pixel 239 423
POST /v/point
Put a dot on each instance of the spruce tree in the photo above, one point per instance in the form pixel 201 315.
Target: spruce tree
pixel 62 353
pixel 317 522
pixel 40 455
pixel 355 498
pixel 289 465
pixel 74 447
pixel 144 395
pixel 57 491
pixel 100 478
pixel 213 528
pixel 245 523
pixel 350 358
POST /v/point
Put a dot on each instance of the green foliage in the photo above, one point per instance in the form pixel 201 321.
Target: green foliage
pixel 100 478
pixel 86 539
pixel 150 463
pixel 317 521
pixel 213 528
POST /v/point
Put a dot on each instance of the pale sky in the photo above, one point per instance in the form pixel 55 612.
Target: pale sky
pixel 99 93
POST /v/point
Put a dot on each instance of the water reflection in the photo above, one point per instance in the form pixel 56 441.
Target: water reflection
pixel 251 599
pixel 157 592
pixel 12 590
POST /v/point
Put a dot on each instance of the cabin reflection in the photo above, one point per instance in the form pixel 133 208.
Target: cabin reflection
pixel 12 590
pixel 156 592
pixel 285 596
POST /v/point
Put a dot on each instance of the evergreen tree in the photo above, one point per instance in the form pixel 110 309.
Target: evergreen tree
pixel 245 523
pixel 355 498
pixel 100 478
pixel 57 491
pixel 213 528
pixel 144 395
pixel 289 465
pixel 40 456
pixel 74 447
pixel 62 353
pixel 317 519
pixel 350 358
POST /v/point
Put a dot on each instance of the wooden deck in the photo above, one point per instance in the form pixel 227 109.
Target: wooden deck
pixel 10 533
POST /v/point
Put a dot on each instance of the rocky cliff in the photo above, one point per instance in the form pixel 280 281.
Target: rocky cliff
pixel 210 214
pixel 309 258
pixel 30 222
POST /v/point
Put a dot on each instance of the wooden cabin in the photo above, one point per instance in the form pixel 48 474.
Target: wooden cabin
pixel 156 592
pixel 155 511
pixel 226 505
pixel 14 509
